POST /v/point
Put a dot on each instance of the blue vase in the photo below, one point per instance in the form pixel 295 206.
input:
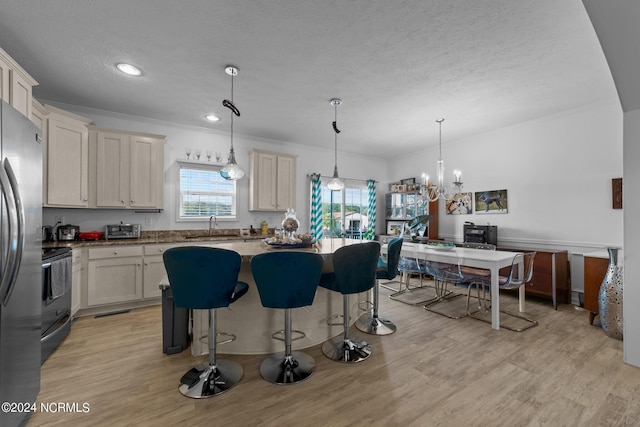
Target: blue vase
pixel 610 297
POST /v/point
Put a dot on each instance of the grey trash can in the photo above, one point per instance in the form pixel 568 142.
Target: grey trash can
pixel 175 324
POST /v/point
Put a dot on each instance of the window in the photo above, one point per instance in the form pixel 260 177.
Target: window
pixel 344 212
pixel 203 193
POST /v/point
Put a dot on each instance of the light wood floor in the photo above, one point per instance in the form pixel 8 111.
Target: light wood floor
pixel 434 371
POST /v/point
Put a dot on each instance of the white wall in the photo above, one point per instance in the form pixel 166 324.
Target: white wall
pixel 631 184
pixel 309 160
pixel 557 171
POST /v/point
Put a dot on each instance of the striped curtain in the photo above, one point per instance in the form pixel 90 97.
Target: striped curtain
pixel 370 234
pixel 316 207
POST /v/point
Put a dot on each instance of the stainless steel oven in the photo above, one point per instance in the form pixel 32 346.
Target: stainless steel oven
pixel 56 298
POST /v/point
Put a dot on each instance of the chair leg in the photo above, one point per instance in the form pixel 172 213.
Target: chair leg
pixel 370 323
pixel 212 378
pixel 397 296
pixel 342 348
pixel 444 296
pixel 481 302
pixel 288 367
pixel 392 288
pixel 531 322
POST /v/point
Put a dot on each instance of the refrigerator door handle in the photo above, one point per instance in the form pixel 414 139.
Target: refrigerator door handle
pixel 15 211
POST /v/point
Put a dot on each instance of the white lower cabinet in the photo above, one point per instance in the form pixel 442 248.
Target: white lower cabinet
pixel 76 280
pixel 154 270
pixel 114 275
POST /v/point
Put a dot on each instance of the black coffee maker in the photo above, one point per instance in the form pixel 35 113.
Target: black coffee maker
pixel 47 233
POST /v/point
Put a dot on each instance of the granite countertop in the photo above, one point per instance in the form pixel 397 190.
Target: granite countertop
pixel 165 236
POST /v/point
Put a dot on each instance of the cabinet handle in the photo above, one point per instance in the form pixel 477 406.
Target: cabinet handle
pixel 121 201
pixel 115 252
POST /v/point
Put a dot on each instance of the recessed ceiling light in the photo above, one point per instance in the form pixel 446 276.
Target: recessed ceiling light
pixel 129 69
pixel 212 117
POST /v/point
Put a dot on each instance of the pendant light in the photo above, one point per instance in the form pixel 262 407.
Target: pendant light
pixel 231 170
pixel 433 192
pixel 336 184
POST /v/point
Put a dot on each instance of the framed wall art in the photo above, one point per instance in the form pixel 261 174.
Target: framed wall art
pixel 616 193
pixel 459 204
pixel 488 202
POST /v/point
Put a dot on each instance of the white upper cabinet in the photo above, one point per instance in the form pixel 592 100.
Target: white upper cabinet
pixel 126 169
pixel 272 181
pixel 66 159
pixel 39 116
pixel 15 85
pixel 147 167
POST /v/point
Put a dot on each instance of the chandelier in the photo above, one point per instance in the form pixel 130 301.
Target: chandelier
pixel 432 192
pixel 336 184
pixel 231 171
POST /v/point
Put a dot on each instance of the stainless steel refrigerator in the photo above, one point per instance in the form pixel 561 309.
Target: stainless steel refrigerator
pixel 20 262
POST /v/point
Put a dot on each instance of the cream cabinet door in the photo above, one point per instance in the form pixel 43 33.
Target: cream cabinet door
pixel 67 162
pixel 20 94
pixel 265 182
pixel 272 181
pixel 286 183
pixel 128 169
pixel 146 181
pixel 154 271
pixel 114 280
pixel 112 169
pixel 15 85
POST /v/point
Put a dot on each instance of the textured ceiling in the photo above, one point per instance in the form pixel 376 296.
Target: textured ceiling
pixel 397 65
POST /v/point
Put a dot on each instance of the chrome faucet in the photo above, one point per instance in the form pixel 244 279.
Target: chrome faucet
pixel 215 223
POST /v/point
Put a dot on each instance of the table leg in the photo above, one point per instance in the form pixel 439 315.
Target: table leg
pixel 521 290
pixel 495 299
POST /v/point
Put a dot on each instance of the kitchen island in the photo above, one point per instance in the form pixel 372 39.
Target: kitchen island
pixel 254 325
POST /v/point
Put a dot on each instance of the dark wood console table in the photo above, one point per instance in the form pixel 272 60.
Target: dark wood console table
pixel 595 268
pixel 550 275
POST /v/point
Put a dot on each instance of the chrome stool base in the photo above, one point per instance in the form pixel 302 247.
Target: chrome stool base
pixel 373 325
pixel 207 381
pixel 281 369
pixel 347 351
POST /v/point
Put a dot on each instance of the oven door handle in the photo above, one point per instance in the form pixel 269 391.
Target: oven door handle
pixel 16 235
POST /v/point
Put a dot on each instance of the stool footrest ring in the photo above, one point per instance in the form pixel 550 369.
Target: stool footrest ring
pixel 295 335
pixel 368 304
pixel 335 316
pixel 229 338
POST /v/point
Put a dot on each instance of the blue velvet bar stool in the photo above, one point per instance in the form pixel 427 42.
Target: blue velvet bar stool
pixel 370 322
pixel 354 271
pixel 204 278
pixel 287 280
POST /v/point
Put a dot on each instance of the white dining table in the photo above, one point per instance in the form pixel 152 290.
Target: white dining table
pixel 478 258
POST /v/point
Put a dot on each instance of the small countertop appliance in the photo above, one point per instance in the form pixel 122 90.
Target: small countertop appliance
pixel 68 232
pixel 122 231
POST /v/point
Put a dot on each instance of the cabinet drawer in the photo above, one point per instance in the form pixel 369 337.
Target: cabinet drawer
pixel 115 252
pixel 76 256
pixel 157 249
